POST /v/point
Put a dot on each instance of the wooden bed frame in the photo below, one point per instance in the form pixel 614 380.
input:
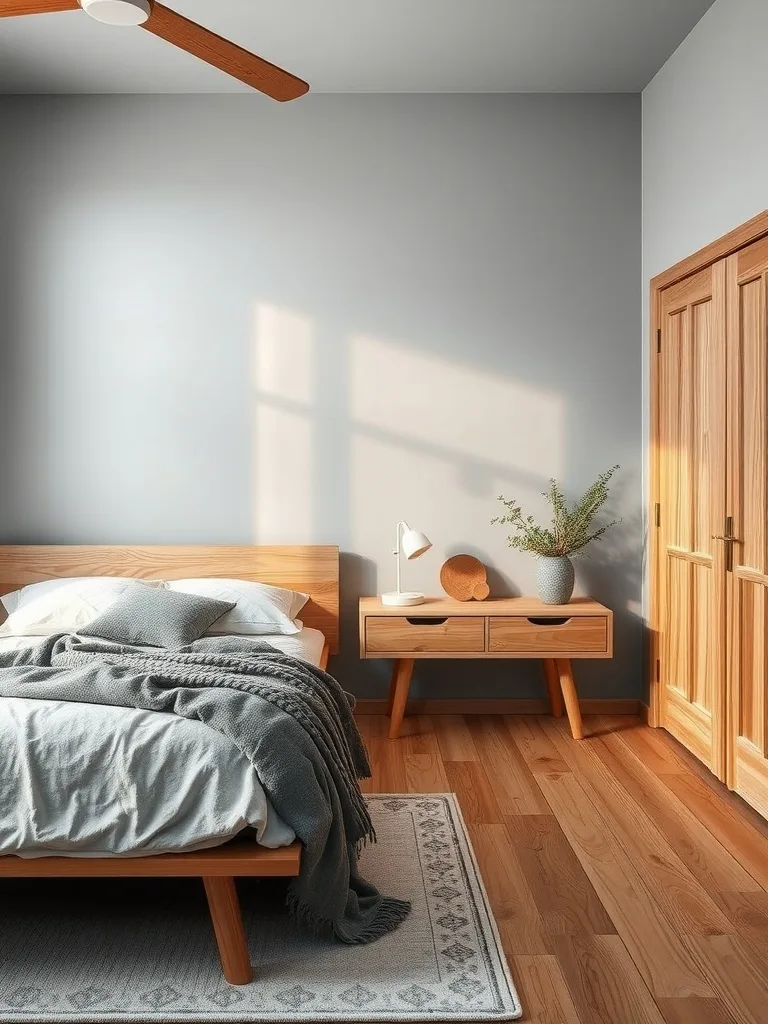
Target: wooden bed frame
pixel 314 570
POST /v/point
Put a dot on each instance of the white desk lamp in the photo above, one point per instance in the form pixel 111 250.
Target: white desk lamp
pixel 412 544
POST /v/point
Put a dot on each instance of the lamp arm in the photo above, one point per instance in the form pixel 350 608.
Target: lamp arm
pixel 396 552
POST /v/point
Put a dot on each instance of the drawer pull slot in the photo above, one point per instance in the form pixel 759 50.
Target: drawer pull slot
pixel 548 621
pixel 431 620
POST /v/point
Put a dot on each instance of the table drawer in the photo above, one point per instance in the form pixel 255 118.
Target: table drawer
pixel 414 633
pixel 547 635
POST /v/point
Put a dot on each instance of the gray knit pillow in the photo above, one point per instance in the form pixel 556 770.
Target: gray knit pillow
pixel 157 618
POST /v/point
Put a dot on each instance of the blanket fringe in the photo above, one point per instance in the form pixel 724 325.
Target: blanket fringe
pixel 370 837
pixel 389 915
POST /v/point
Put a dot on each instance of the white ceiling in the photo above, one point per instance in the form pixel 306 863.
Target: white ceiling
pixel 365 46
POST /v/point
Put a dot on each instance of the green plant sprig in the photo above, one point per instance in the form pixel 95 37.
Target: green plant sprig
pixel 572 526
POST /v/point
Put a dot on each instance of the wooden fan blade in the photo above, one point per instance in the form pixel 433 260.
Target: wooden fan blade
pixel 15 8
pixel 222 54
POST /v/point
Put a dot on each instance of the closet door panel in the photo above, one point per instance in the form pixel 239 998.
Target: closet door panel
pixel 747 274
pixel 692 491
pixel 753 420
pixel 752 608
pixel 701 667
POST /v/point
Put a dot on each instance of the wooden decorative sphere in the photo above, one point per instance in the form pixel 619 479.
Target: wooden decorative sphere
pixel 463 577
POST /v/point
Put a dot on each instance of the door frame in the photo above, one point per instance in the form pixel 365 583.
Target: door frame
pixel 745 234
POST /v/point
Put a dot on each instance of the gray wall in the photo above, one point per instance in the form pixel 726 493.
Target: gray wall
pixel 705 142
pixel 705 135
pixel 231 321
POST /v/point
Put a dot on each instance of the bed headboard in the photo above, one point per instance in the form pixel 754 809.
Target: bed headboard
pixel 312 569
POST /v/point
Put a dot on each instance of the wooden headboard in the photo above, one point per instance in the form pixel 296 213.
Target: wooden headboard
pixel 314 570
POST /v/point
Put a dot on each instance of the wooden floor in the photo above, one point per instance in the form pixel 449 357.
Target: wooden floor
pixel 629 886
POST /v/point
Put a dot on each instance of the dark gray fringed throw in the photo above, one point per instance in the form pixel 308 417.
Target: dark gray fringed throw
pixel 291 720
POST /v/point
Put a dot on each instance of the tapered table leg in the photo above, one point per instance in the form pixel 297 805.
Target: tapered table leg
pixel 392 687
pixel 398 694
pixel 571 698
pixel 553 687
pixel 228 927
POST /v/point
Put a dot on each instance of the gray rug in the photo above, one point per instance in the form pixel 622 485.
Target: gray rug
pixel 100 950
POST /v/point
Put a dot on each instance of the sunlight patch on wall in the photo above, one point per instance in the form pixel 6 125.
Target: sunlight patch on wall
pixel 283 454
pixel 428 400
pixel 284 354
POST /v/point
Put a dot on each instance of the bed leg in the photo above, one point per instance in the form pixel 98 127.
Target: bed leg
pixel 228 927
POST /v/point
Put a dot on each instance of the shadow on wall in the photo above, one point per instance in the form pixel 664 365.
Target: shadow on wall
pixel 611 568
pixel 348 441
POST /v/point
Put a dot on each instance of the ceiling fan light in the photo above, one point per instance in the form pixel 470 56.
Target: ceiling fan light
pixel 118 12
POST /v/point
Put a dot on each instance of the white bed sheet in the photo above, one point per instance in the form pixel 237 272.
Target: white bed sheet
pixel 155 783
pixel 307 644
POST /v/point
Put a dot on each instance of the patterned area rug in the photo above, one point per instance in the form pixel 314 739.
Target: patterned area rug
pixel 100 950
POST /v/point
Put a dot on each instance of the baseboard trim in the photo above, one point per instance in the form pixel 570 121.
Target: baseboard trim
pixel 598 706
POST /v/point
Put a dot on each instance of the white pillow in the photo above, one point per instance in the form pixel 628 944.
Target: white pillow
pixel 259 609
pixel 65 605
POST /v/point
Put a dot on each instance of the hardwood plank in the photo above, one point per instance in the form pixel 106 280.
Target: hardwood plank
pixel 424 771
pixel 690 763
pixel 468 781
pixel 513 784
pixel 539 753
pixel 704 856
pixel 642 741
pixel 647 933
pixel 454 738
pixel 749 913
pixel 604 982
pixel 386 757
pixel 565 898
pixel 684 901
pixel 542 990
pixel 513 905
pixel 739 978
pixel 730 828
pixel 695 1010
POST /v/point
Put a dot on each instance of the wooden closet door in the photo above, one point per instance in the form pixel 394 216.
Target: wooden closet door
pixel 692 489
pixel 747 282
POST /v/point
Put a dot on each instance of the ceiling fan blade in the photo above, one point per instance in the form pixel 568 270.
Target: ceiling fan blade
pixel 15 8
pixel 222 54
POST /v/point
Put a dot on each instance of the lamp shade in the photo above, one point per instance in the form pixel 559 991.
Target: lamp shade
pixel 414 543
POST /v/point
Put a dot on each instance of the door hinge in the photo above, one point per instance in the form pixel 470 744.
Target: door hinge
pixel 658 670
pixel 657 513
pixel 658 339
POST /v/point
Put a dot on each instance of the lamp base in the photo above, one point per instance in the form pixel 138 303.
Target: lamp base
pixel 402 600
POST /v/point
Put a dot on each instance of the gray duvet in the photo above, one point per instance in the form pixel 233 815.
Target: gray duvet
pixel 292 721
pixel 85 780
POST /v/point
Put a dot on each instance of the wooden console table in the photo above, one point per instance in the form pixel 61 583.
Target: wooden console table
pixel 516 627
